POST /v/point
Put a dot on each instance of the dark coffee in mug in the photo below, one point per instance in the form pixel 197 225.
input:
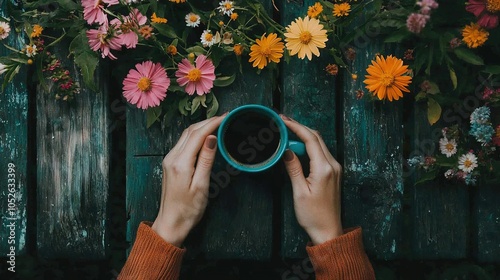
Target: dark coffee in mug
pixel 251 138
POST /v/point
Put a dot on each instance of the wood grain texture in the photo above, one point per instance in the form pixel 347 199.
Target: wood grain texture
pixel 238 221
pixel 72 173
pixel 486 234
pixel 373 163
pixel 308 96
pixel 440 210
pixel 13 149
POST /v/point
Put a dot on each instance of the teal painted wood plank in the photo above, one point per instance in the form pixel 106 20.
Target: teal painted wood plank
pixel 229 230
pixel 73 154
pixel 13 148
pixel 373 163
pixel 308 96
pixel 486 224
pixel 440 210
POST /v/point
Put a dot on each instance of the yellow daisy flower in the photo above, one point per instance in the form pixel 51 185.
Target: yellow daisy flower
pixel 474 35
pixel 315 10
pixel 178 1
pixel 386 78
pixel 37 31
pixel 341 10
pixel 305 37
pixel 265 50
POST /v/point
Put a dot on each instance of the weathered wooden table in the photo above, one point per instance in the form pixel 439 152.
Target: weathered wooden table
pixel 250 216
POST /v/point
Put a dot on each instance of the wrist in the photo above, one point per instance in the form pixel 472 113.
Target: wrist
pixel 172 235
pixel 322 236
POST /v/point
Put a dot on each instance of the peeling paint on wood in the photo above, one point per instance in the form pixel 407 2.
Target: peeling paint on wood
pixel 72 173
pixel 373 163
pixel 13 149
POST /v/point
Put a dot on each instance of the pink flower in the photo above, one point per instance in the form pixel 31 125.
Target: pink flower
pixel 416 22
pixel 487 13
pixel 146 85
pixel 127 35
pixel 426 6
pixel 103 39
pixel 200 78
pixel 93 10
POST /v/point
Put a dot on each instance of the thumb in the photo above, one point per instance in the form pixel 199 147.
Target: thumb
pixel 294 169
pixel 204 163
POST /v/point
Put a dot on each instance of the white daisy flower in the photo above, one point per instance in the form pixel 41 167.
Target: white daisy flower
pixel 3 68
pixel 208 39
pixel 4 30
pixel 448 147
pixel 467 162
pixel 226 7
pixel 192 20
pixel 30 50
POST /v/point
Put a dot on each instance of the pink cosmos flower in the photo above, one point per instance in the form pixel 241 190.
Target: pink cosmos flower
pixel 103 39
pixel 486 12
pixel 146 85
pixel 127 29
pixel 416 22
pixel 93 10
pixel 200 78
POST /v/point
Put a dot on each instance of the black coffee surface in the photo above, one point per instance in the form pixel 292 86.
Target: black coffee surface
pixel 251 138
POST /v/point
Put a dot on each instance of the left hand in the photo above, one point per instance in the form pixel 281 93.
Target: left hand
pixel 185 182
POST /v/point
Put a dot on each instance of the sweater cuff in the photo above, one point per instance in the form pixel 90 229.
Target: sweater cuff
pixel 341 258
pixel 152 257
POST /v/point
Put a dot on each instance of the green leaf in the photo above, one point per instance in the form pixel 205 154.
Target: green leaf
pixel 224 81
pixel 427 176
pixel 453 77
pixel 152 115
pixel 165 30
pixel 468 56
pixel 434 89
pixel 85 58
pixel 433 111
pixel 492 69
pixel 197 102
pixel 184 106
pixel 397 37
pixel 213 107
pixel 197 50
pixel 421 95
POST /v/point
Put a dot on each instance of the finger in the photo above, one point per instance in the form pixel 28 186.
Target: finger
pixel 191 128
pixel 197 137
pixel 295 172
pixel 313 146
pixel 201 177
pixel 325 149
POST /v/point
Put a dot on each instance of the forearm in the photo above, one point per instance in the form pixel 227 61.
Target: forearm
pixel 152 257
pixel 341 258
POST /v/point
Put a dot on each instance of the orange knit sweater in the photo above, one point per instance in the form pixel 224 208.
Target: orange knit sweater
pixel 341 258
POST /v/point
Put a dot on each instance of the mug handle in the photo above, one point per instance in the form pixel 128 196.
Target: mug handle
pixel 297 147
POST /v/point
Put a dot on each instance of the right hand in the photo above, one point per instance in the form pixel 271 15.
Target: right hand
pixel 317 197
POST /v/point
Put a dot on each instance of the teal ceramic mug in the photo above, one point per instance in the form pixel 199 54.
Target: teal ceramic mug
pixel 253 138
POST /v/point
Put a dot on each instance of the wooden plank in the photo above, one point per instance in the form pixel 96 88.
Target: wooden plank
pixel 72 172
pixel 373 162
pixel 13 148
pixel 308 96
pixel 229 230
pixel 486 224
pixel 440 210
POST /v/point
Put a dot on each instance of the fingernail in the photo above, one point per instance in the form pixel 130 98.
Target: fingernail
pixel 225 114
pixel 288 156
pixel 211 142
pixel 285 117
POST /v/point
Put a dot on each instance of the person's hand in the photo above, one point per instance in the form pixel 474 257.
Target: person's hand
pixel 185 182
pixel 317 197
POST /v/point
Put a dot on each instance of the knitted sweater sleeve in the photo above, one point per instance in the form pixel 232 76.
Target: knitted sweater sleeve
pixel 152 257
pixel 341 258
